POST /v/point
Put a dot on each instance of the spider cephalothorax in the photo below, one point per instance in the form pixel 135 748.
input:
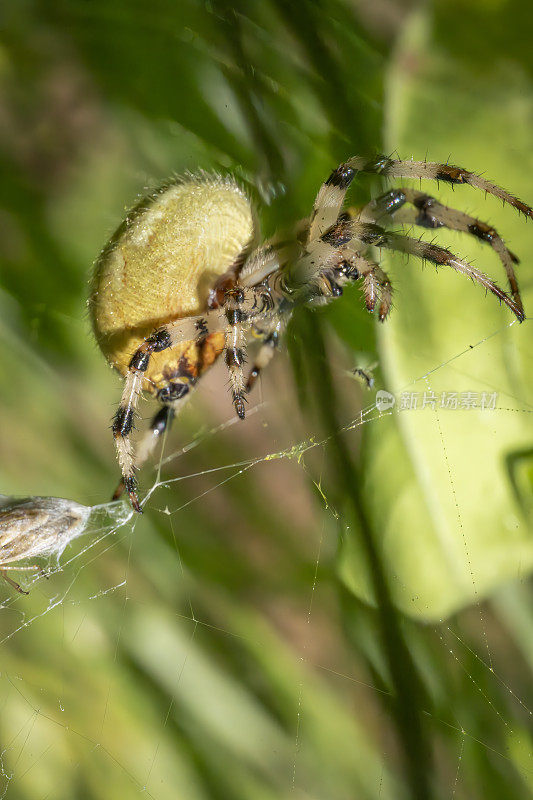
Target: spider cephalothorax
pixel 184 279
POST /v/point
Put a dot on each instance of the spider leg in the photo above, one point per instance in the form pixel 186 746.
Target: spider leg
pixel 241 305
pixel 269 334
pixel 192 328
pixel 346 239
pixel 160 422
pixel 330 197
pixel 371 234
pixel 254 296
pixel 264 261
pixel 329 200
pixel 376 285
pixel 432 170
pixel 427 212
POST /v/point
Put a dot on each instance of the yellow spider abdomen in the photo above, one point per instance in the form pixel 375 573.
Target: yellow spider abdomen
pixel 160 265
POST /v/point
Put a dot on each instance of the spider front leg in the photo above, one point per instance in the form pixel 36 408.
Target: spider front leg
pixel 427 212
pixel 348 237
pixel 448 173
pixel 433 170
pixel 330 198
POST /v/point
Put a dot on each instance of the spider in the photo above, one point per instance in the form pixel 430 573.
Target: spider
pixel 185 278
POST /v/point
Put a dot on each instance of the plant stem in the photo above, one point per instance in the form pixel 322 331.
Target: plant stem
pixel 408 690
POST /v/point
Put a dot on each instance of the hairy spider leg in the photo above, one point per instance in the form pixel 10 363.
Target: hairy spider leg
pixel 151 438
pixel 169 335
pixel 238 305
pixel 242 305
pixel 331 195
pixel 349 237
pixel 440 256
pixel 431 170
pixel 235 347
pixel 269 334
pixel 428 212
pixel 259 277
pixel 267 267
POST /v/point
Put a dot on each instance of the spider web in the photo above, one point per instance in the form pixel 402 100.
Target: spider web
pixel 307 695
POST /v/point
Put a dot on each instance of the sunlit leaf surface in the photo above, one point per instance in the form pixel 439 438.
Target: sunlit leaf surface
pixel 447 484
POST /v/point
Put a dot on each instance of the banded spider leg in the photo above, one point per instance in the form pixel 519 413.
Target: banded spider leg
pixel 415 207
pixel 334 236
pixel 238 305
pixel 330 197
pixel 345 241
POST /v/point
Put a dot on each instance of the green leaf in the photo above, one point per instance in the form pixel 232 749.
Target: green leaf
pixel 443 484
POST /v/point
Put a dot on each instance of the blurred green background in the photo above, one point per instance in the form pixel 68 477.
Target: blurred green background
pixel 325 601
